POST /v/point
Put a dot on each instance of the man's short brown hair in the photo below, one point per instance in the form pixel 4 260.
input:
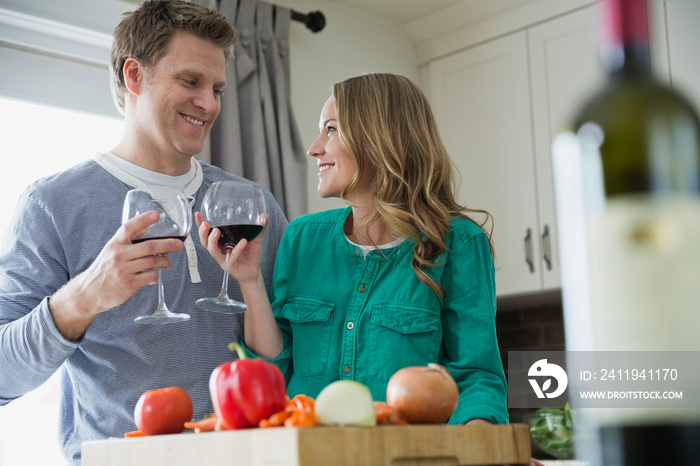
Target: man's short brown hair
pixel 144 34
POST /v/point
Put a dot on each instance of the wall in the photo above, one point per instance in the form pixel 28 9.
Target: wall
pixel 353 42
pixel 71 38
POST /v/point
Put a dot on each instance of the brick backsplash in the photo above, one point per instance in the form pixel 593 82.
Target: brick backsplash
pixel 538 328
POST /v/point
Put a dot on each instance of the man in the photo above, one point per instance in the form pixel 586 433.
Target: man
pixel 70 287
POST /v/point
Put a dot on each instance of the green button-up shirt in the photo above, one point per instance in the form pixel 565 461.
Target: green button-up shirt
pixel 344 316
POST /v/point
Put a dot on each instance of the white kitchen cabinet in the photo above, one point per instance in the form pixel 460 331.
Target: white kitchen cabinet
pixel 481 100
pixel 564 71
pixel 498 106
pixel 683 35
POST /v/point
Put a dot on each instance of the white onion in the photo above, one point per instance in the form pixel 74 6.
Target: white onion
pixel 345 403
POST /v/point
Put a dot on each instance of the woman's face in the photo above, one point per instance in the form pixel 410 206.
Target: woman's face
pixel 336 166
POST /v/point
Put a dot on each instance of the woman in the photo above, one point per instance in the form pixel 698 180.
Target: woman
pixel 403 276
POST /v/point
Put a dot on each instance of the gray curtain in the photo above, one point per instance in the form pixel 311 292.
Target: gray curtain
pixel 256 135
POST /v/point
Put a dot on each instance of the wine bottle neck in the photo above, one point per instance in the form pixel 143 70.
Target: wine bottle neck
pixel 625 42
pixel 632 60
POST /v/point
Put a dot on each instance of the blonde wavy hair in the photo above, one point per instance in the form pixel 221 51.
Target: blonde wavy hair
pixel 386 120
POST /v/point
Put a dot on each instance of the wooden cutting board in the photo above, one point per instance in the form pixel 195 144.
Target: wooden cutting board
pixel 415 445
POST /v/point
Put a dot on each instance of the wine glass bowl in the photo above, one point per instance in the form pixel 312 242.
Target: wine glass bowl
pixel 174 221
pixel 238 210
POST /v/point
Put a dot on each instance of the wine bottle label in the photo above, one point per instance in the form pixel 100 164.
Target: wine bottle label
pixel 645 290
pixel 629 274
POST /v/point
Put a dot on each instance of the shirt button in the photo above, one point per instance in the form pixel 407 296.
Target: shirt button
pixel 361 288
pixel 350 325
pixel 357 252
pixel 346 369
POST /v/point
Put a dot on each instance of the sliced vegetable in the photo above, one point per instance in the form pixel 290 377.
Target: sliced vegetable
pixel 302 402
pixel 208 424
pixel 299 418
pixel 423 394
pixel 383 412
pixel 386 415
pixel 298 413
pixel 345 403
pixel 276 420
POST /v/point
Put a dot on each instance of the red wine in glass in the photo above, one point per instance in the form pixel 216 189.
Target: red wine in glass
pixel 148 238
pixel 174 221
pixel 238 210
pixel 232 234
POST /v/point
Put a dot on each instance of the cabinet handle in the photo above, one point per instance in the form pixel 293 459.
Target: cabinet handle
pixel 546 248
pixel 528 250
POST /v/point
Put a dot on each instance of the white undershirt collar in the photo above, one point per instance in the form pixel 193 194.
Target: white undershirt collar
pixel 139 177
pixel 366 249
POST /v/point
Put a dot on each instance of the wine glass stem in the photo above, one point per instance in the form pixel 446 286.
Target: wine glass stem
pixel 223 294
pixel 161 295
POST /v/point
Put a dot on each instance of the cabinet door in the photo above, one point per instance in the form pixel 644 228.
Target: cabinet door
pixel 481 99
pixel 564 71
pixel 683 39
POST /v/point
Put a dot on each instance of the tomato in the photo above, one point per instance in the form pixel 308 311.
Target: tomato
pixel 163 411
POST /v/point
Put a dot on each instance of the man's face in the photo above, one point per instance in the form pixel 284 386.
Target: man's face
pixel 180 97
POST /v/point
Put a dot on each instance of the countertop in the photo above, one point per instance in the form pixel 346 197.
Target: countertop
pixel 385 445
pixel 564 463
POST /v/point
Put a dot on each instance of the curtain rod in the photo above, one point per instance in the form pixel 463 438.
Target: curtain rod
pixel 314 20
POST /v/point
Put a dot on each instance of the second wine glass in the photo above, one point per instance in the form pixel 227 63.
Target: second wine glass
pixel 238 211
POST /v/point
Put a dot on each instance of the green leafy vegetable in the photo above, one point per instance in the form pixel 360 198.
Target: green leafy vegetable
pixel 552 430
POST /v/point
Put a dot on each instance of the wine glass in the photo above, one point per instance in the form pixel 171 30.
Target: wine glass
pixel 238 211
pixel 175 222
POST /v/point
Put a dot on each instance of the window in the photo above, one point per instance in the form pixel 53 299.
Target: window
pixel 39 141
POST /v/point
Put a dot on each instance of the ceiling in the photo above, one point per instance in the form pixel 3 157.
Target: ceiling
pixel 405 11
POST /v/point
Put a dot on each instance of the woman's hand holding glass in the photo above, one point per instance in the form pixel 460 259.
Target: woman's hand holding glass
pixel 231 224
pixel 246 257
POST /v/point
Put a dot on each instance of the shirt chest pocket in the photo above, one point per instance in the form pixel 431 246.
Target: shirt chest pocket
pixel 402 336
pixel 310 321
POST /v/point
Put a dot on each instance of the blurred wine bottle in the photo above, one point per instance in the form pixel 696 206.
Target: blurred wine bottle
pixel 627 187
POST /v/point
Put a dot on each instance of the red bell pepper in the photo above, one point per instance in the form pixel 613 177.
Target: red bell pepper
pixel 246 391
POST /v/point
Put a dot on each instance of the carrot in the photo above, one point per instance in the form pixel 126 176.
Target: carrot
pixel 302 402
pixel 383 411
pixel 207 424
pixel 265 423
pixel 302 419
pixel 276 420
pixel 387 415
pixel 299 412
pixel 134 433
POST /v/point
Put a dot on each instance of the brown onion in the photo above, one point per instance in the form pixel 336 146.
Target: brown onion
pixel 423 394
